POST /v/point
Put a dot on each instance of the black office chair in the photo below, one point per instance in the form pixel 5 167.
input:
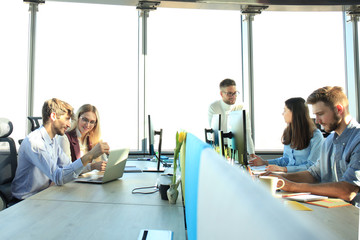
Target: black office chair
pixel 35 124
pixel 8 162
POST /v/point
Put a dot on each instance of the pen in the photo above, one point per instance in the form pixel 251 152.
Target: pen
pixel 249 169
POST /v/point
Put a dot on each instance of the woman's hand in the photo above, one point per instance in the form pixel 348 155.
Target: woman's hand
pixel 257 161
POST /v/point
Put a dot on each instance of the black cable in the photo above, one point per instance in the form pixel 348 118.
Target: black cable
pixel 165 164
pixel 136 190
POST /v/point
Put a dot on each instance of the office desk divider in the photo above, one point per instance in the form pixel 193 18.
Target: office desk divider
pixel 194 147
pixel 223 202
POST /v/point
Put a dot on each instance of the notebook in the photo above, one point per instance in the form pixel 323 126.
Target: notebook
pixel 297 206
pixel 131 169
pixel 331 203
pixel 114 168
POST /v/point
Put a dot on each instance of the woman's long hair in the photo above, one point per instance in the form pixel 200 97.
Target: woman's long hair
pixel 299 132
pixel 95 133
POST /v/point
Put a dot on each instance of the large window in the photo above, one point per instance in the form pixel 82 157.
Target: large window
pixel 294 53
pixel 13 62
pixel 87 53
pixel 189 53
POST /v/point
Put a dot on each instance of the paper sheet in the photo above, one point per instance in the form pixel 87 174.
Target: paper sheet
pixel 297 206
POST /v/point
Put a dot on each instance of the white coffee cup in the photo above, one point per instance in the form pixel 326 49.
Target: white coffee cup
pixel 271 183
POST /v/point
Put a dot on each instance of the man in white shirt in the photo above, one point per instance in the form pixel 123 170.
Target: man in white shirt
pixel 227 104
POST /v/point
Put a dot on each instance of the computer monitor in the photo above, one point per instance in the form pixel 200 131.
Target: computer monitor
pixel 216 127
pixel 152 134
pixel 236 124
pixel 223 146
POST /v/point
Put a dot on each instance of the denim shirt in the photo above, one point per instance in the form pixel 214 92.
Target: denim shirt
pixel 300 160
pixel 340 158
pixel 42 161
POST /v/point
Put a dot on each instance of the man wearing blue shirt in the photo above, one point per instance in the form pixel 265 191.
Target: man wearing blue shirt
pixel 337 172
pixel 41 160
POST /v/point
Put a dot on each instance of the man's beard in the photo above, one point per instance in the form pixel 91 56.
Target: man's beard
pixel 59 131
pixel 333 126
pixel 230 102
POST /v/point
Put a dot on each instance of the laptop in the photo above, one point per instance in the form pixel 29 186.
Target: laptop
pixel 114 168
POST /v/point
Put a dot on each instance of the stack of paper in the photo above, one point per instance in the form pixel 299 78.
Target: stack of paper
pixel 306 197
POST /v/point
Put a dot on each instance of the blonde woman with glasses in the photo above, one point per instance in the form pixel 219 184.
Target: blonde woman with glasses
pixel 83 134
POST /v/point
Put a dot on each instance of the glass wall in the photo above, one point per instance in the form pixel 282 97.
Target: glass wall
pixel 294 53
pixel 13 61
pixel 87 53
pixel 189 53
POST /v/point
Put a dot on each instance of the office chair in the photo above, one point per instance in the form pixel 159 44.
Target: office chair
pixel 8 162
pixel 207 139
pixel 35 124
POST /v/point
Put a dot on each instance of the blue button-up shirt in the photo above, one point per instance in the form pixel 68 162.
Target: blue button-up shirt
pixel 340 158
pixel 300 160
pixel 42 161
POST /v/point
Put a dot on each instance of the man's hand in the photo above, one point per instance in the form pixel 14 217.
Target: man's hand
pixel 257 161
pixel 97 151
pixel 252 155
pixel 275 168
pixel 288 185
pixel 99 166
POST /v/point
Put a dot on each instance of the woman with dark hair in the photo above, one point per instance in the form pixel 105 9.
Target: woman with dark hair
pixel 301 139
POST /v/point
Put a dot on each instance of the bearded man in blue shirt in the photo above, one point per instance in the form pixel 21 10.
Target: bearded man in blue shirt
pixel 41 160
pixel 337 172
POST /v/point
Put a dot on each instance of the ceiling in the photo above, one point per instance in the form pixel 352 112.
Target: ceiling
pixel 270 5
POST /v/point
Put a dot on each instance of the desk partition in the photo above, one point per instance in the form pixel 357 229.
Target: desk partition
pixel 224 202
pixel 194 148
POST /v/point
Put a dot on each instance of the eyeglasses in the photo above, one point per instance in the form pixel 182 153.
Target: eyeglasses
pixel 231 94
pixel 92 123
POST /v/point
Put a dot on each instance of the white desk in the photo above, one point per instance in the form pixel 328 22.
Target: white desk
pixel 342 221
pixel 45 219
pixel 92 211
pixel 117 192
